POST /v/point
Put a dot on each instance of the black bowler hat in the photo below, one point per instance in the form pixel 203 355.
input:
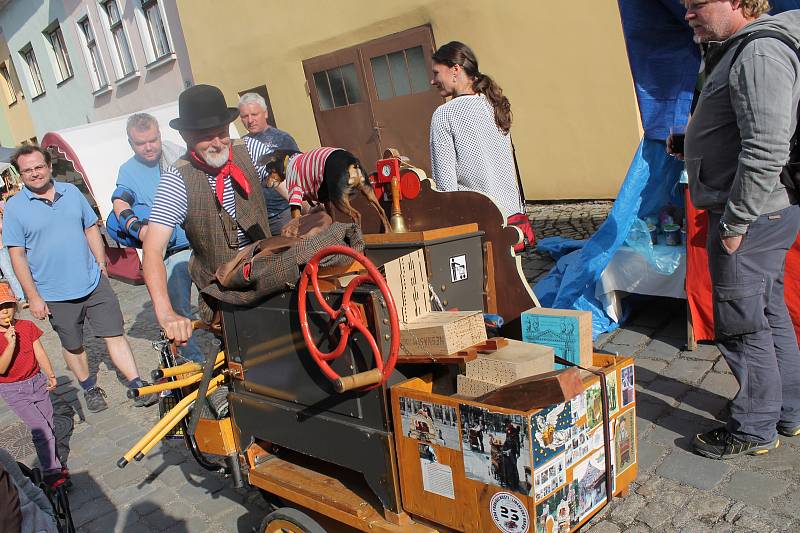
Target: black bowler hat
pixel 202 107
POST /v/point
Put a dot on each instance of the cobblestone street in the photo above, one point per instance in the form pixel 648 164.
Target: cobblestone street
pixel 679 393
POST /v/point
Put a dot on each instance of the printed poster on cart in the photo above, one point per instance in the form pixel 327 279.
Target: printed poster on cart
pixel 429 422
pixel 496 448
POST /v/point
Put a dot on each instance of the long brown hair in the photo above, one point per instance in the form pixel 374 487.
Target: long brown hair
pixel 458 53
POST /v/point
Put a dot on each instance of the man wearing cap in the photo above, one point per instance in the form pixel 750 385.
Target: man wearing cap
pixel 213 192
pixel 59 258
pixel 137 181
pixel 254 116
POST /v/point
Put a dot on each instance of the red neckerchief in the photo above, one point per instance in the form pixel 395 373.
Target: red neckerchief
pixel 230 169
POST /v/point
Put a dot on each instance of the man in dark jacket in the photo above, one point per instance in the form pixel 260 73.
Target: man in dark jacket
pixel 737 143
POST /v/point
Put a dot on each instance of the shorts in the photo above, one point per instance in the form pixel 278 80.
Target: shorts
pixel 101 306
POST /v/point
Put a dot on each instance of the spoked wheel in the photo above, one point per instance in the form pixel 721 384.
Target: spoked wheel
pixel 289 520
pixel 347 319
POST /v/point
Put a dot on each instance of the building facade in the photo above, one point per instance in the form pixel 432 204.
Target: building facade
pixel 355 75
pixel 80 61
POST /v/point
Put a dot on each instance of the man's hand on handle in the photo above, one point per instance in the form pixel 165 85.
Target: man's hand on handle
pixel 177 328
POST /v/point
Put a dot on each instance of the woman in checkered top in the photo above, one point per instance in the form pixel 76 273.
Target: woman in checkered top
pixel 470 142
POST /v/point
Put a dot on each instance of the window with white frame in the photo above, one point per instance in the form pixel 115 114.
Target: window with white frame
pixel 117 31
pixel 8 85
pixel 98 72
pixel 157 38
pixel 37 84
pixel 56 39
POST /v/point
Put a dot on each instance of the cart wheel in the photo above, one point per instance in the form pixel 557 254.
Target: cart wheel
pixel 289 520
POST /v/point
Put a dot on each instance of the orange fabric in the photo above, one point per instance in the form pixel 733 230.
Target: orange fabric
pixel 698 280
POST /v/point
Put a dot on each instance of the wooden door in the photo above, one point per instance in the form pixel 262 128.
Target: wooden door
pixel 393 100
pixel 341 106
pixel 398 73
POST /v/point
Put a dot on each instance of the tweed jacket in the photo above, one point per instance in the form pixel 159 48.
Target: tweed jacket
pixel 211 231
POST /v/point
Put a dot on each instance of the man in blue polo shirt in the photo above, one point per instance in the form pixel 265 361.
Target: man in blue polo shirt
pixel 136 188
pixel 58 256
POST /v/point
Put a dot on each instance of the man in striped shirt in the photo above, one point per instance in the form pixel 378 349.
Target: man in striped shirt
pixel 213 192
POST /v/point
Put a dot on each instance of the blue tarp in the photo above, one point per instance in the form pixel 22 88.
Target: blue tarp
pixel 664 62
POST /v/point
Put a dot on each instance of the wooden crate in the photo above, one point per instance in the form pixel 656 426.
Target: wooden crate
pixel 446 478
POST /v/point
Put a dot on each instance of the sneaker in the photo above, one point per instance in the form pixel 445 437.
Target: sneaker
pixel 146 400
pixel 721 444
pixel 789 430
pixel 95 399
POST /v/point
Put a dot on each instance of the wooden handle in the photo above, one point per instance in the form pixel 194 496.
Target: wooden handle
pixel 370 377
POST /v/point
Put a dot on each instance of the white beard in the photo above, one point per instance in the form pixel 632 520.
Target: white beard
pixel 216 160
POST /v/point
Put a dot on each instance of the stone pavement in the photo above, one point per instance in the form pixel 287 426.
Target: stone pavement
pixel 678 394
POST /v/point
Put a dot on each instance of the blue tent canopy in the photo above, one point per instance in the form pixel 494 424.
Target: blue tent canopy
pixel 664 63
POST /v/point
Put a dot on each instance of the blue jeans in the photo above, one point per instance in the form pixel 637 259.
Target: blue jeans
pixel 8 273
pixel 179 288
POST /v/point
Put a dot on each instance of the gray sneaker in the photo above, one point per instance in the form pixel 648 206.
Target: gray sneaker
pixel 146 400
pixel 95 399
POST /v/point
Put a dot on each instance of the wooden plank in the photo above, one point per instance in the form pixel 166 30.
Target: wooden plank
pixel 489 290
pixel 461 356
pixel 325 495
pixel 419 236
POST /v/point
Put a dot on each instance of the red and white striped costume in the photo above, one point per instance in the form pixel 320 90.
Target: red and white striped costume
pixel 304 173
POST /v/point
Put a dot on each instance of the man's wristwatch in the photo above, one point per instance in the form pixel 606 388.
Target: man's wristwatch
pixel 726 231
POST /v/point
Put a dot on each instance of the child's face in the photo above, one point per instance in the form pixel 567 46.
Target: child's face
pixel 7 311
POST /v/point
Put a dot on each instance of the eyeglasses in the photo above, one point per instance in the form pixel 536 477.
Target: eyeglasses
pixel 29 171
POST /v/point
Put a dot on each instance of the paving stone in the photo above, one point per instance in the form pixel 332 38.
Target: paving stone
pixel 106 522
pixel 753 489
pixel 667 491
pixel 668 391
pixel 722 384
pixel 635 337
pixel 756 519
pixel 734 512
pixel 605 527
pixel 619 349
pixel 628 508
pixel 690 469
pixel 602 339
pixel 703 403
pixel 656 515
pixel 662 348
pixel 648 455
pixel 706 352
pixel 687 370
pixel 676 328
pixel 707 507
pixel 721 366
pixel 646 370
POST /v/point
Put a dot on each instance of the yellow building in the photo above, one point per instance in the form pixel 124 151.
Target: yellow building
pixel 13 106
pixel 353 74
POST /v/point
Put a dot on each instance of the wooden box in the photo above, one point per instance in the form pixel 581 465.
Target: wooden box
pixel 567 331
pixel 509 363
pixel 474 467
pixel 442 333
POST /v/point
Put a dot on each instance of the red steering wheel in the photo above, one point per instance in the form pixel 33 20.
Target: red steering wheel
pixel 348 318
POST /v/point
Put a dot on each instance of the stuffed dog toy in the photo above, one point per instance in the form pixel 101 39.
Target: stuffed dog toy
pixel 329 176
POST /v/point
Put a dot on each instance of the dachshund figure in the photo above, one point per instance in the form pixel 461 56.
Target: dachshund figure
pixel 329 176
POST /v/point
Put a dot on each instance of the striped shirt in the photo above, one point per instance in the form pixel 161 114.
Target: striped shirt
pixel 469 152
pixel 171 203
pixel 304 173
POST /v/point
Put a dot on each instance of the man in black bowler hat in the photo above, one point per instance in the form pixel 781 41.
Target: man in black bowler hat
pixel 214 192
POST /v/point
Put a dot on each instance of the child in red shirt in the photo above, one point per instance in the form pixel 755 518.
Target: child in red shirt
pixel 23 386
